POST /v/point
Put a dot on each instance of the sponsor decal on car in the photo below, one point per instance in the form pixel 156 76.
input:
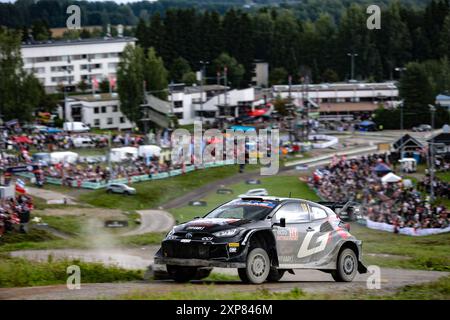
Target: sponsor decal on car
pixel 287 234
pixel 198 228
pixel 266 204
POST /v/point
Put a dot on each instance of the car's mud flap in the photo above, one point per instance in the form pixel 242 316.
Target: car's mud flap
pixel 156 272
pixel 361 267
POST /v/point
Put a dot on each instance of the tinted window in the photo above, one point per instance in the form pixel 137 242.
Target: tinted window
pixel 244 209
pixel 318 213
pixel 293 212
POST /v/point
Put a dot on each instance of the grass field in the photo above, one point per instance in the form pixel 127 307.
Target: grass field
pixel 401 251
pixel 154 193
pixel 439 290
pixel 279 186
pixel 17 272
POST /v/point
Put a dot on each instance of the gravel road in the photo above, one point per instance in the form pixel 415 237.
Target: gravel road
pixel 310 281
pixel 153 221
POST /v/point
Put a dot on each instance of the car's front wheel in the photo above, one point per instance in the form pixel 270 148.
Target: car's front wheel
pixel 347 266
pixel 181 274
pixel 258 267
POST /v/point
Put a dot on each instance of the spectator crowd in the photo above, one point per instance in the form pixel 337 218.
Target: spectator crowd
pixel 398 204
pixel 15 213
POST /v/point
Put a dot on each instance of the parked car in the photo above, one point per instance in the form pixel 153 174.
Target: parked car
pixel 422 128
pixel 120 188
pixel 50 130
pixel 255 192
pixel 263 237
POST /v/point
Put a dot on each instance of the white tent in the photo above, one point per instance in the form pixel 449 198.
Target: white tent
pixel 69 157
pixel 123 154
pixel 149 151
pixel 390 178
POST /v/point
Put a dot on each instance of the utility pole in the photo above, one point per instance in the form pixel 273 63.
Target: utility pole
pixel 432 109
pixel 225 75
pixel 109 158
pixel 203 63
pixel 352 55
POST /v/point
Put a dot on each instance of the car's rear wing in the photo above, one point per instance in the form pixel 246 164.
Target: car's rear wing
pixel 349 210
pixel 334 205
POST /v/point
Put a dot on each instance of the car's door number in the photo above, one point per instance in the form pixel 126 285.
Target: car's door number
pixel 322 241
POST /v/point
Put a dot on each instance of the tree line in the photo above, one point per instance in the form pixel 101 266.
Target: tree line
pixel 23 13
pixel 317 49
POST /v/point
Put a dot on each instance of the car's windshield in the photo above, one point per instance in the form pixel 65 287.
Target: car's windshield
pixel 244 209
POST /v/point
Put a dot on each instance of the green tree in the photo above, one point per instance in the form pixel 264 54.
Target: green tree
pixel 20 92
pixel 179 68
pixel 415 87
pixel 278 76
pixel 142 33
pixel 40 31
pixel 444 46
pixel 189 78
pixel 155 74
pixel 329 75
pixel 82 86
pixel 235 70
pixel 104 86
pixel 130 80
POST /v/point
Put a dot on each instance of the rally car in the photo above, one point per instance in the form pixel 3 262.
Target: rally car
pixel 263 237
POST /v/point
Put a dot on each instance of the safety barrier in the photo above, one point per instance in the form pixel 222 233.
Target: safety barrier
pixel 133 179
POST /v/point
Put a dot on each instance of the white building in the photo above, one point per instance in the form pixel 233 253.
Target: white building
pixel 100 111
pixel 260 74
pixel 188 106
pixel 341 98
pixel 67 62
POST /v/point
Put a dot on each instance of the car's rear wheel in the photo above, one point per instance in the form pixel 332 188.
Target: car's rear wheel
pixel 181 274
pixel 347 266
pixel 258 267
pixel 275 275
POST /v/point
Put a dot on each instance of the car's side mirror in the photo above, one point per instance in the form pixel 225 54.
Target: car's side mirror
pixel 196 218
pixel 281 224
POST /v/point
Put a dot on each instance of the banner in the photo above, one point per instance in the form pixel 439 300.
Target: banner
pixel 406 231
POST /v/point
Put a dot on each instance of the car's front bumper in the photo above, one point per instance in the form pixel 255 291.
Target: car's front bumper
pixel 196 263
pixel 201 254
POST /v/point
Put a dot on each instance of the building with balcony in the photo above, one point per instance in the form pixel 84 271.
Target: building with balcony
pixel 67 62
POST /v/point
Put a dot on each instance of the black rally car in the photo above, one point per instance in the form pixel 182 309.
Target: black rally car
pixel 263 237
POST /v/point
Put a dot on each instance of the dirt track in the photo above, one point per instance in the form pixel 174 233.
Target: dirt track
pixel 310 281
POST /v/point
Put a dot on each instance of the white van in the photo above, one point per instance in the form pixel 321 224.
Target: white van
pixel 76 127
pixel 83 142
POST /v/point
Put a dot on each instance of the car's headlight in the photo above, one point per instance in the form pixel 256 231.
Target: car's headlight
pixel 171 232
pixel 227 233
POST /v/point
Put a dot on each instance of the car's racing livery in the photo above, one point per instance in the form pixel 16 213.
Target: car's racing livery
pixel 263 237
